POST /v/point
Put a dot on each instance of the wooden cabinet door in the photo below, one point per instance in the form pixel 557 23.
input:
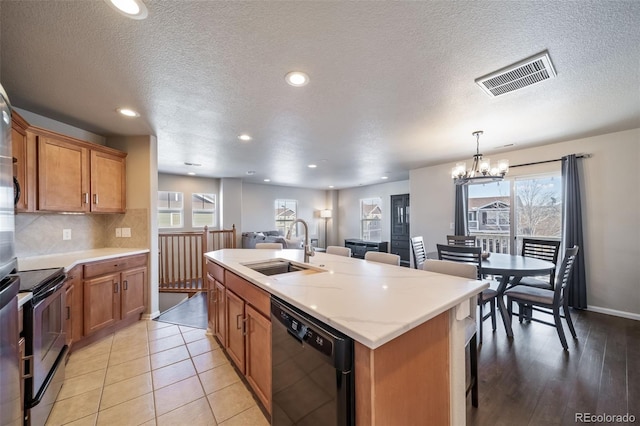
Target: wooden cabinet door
pixel 258 355
pixel 108 194
pixel 74 278
pixel 211 303
pixel 63 176
pixel 220 320
pixel 24 156
pixel 132 293
pixel 235 329
pixel 101 302
pixel 68 315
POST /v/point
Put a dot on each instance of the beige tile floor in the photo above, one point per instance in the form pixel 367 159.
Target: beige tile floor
pixel 154 373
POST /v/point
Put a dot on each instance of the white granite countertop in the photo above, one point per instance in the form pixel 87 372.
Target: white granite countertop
pixel 71 259
pixel 371 302
pixel 24 298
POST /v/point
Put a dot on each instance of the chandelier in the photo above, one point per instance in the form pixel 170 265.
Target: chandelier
pixel 481 170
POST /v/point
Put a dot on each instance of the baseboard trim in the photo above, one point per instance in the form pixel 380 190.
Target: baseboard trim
pixel 150 316
pixel 614 312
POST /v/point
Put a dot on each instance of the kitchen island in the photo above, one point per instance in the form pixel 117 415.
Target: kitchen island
pixel 407 326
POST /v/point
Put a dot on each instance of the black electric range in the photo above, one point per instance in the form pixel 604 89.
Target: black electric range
pixel 39 281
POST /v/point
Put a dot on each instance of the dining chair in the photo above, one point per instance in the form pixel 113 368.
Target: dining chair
pixel 419 253
pixel 546 300
pixel 465 271
pixel 540 249
pixel 381 257
pixel 269 246
pixel 339 250
pixel 472 256
pixel 461 240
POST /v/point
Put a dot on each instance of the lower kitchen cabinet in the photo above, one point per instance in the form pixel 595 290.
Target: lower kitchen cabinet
pixel 68 318
pixel 220 320
pixel 114 291
pixel 235 335
pixel 258 358
pixel 75 309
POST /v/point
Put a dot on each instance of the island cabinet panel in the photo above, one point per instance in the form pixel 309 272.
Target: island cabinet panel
pixel 220 320
pixel 405 381
pixel 132 296
pixel 241 322
pixel 258 355
pixel 68 318
pixel 235 334
pixel 211 303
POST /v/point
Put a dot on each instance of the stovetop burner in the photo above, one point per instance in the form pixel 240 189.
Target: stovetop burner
pixel 38 280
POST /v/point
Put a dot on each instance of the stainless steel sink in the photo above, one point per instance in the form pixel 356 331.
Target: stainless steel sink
pixel 279 266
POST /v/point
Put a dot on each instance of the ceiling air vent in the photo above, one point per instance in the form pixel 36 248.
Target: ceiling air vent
pixel 522 74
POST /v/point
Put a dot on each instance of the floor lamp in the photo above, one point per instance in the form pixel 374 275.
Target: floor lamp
pixel 326 215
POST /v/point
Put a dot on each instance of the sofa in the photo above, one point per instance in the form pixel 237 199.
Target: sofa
pixel 249 240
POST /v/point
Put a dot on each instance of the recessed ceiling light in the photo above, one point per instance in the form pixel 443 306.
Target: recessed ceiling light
pixel 297 78
pixel 267 180
pixel 384 177
pixel 191 173
pixel 244 137
pixel 134 9
pixel 251 172
pixel 331 186
pixel 128 112
pixel 312 166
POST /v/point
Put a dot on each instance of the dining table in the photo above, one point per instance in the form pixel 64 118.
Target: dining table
pixel 510 269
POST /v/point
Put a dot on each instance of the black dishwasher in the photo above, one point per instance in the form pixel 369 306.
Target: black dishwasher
pixel 312 363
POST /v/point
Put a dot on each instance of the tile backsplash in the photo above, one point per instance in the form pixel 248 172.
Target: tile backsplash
pixel 41 234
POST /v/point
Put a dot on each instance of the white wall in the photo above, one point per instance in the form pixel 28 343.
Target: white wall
pixel 611 211
pixel 258 207
pixel 189 185
pixel 349 208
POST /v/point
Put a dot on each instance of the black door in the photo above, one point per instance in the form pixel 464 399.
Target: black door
pixel 400 233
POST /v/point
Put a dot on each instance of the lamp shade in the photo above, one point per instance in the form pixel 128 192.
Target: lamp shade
pixel 325 213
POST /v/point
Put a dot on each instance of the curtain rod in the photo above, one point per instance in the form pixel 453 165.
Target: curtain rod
pixel 549 161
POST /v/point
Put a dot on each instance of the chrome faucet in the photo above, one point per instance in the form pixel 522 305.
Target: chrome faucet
pixel 308 250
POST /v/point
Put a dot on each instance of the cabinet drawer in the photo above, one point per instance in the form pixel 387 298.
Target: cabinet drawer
pixel 117 264
pixel 216 271
pixel 253 295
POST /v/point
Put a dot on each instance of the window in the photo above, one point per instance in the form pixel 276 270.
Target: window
pixel 286 212
pixel 371 219
pixel 170 209
pixel 503 212
pixel 203 210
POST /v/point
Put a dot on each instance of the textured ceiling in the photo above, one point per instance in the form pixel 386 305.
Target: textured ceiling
pixel 391 83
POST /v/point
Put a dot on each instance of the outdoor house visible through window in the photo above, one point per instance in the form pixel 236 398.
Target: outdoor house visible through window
pixel 285 213
pixel 537 212
pixel 203 210
pixel 371 219
pixel 170 209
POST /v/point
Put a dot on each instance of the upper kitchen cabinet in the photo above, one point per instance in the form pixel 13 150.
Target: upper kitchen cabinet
pixel 24 163
pixel 77 176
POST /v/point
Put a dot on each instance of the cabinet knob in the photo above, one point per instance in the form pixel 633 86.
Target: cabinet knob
pixel 95 198
pixel 116 287
pixel 86 197
pixel 125 285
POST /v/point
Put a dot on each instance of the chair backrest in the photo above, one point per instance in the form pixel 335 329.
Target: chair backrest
pixel 464 270
pixel 419 253
pixel 269 246
pixel 381 257
pixel 564 274
pixel 462 254
pixel 461 240
pixel 541 249
pixel 339 250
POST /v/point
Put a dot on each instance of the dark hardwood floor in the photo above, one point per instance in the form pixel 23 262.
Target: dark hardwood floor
pixel 531 380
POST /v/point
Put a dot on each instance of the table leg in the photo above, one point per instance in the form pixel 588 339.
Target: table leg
pixel 506 319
